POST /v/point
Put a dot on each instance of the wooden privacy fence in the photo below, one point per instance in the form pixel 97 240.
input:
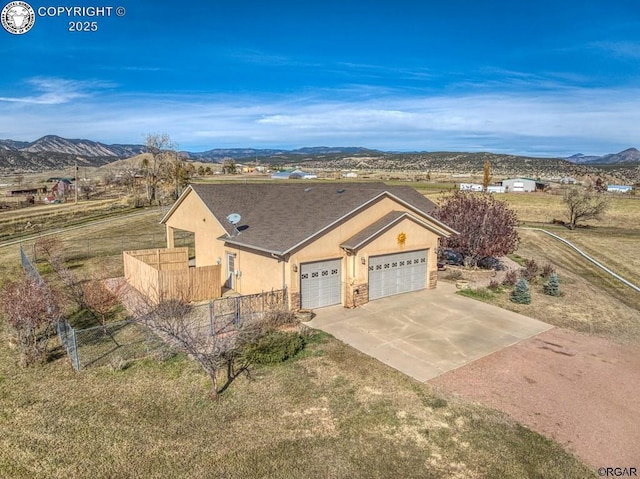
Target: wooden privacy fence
pixel 165 274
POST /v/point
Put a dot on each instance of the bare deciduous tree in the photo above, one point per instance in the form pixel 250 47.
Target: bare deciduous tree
pixel 176 172
pixel 100 300
pixel 159 146
pixel 30 308
pixel 214 351
pixel 51 249
pixel 583 205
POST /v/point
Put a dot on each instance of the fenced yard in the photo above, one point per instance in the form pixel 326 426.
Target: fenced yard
pixel 112 344
pixel 163 273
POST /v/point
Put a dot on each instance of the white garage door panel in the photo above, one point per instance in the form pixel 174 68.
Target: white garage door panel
pixel 397 273
pixel 320 284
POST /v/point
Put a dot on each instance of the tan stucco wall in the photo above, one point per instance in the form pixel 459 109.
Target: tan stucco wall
pixel 257 272
pixel 193 215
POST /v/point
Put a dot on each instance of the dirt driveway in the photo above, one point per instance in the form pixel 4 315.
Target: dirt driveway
pixel 582 391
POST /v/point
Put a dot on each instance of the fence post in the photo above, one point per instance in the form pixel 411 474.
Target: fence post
pixel 211 316
pixel 76 358
pixel 237 321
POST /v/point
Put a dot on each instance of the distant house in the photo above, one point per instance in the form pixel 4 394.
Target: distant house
pixel 349 174
pixel 470 187
pixel 619 188
pixel 495 189
pixel 62 187
pixel 293 175
pixel 28 191
pixel 522 185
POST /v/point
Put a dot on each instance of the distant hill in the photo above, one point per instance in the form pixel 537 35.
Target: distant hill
pixel 630 155
pixel 248 153
pixel 53 152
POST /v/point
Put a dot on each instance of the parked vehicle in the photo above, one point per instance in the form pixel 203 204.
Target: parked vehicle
pixel 449 256
pixel 489 262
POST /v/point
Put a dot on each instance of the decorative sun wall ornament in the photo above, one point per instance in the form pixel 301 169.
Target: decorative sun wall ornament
pixel 402 238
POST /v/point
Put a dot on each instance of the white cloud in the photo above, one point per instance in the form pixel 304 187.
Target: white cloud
pixel 544 122
pixel 53 91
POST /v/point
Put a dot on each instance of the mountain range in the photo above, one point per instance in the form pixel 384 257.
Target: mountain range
pixel 53 152
pixel 630 155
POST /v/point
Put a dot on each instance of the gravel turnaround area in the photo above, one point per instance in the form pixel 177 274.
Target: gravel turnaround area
pixel 581 391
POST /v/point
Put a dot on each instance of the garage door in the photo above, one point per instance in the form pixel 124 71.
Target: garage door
pixel 320 284
pixel 397 273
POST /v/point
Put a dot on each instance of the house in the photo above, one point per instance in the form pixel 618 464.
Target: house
pixel 28 191
pixel 328 244
pixel 495 189
pixel 519 185
pixel 293 175
pixel 619 188
pixel 62 187
pixel 470 187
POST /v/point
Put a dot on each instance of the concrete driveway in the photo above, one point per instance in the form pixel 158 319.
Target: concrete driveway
pixel 427 333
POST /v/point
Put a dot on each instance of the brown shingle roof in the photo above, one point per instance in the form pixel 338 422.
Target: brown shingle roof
pixel 277 218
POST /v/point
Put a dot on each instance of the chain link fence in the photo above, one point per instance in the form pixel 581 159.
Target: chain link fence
pixel 117 343
pixel 113 344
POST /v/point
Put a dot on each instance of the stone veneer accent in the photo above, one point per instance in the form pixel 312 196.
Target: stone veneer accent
pixel 433 279
pixel 294 301
pixel 354 299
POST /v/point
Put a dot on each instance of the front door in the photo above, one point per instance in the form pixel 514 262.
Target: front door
pixel 231 268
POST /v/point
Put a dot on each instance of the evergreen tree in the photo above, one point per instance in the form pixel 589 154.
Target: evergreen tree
pixel 521 293
pixel 552 287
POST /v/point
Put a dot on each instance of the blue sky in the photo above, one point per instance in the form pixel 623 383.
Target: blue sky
pixel 540 78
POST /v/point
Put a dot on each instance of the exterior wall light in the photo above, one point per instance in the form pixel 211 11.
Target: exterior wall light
pixel 295 268
pixel 363 260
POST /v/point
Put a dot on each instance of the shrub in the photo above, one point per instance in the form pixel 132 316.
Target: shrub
pixel 530 270
pixel 493 285
pixel 31 309
pixel 547 270
pixel 511 278
pixel 552 287
pixel 274 347
pixel 521 293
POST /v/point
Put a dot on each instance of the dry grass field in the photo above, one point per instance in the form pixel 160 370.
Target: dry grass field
pixel 333 412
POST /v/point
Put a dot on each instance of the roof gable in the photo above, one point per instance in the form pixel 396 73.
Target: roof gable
pixel 377 228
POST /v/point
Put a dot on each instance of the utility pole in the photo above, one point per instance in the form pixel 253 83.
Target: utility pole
pixel 76 183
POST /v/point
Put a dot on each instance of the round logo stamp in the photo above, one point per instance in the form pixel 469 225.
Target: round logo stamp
pixel 17 17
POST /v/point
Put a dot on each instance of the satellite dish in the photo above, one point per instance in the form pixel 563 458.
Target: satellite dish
pixel 234 218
